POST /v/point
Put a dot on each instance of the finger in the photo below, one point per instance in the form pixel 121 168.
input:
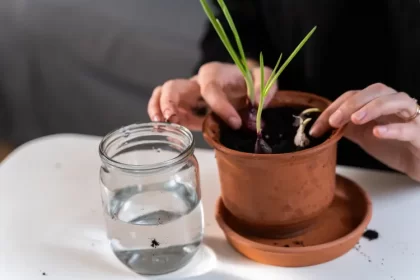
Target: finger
pixel 322 125
pixel 225 73
pixel 218 102
pixel 256 74
pixel 343 114
pixel 153 107
pixel 194 78
pixel 228 77
pixel 407 132
pixel 400 103
pixel 173 92
pixel 191 121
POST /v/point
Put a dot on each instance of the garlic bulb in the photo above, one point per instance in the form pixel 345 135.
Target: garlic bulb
pixel 301 140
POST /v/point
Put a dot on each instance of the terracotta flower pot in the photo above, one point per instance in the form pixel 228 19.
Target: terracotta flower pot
pixel 276 195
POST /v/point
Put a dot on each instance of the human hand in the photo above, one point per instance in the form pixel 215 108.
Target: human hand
pixel 382 121
pixel 219 87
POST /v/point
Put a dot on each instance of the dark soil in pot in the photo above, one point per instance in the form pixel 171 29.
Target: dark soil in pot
pixel 278 132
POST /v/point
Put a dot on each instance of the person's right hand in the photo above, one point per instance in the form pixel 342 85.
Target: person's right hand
pixel 219 87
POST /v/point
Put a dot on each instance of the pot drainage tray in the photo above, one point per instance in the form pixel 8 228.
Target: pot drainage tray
pixel 335 232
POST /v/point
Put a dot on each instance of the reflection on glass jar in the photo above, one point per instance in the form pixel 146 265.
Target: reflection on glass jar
pixel 151 196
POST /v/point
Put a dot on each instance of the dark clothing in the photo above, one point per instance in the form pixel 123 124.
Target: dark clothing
pixel 357 43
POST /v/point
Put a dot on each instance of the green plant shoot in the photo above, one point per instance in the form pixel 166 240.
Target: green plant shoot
pixel 274 76
pixel 239 60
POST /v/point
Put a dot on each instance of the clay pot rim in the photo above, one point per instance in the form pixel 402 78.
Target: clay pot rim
pixel 230 233
pixel 337 134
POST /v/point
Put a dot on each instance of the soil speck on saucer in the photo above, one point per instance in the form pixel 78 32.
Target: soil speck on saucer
pixel 300 243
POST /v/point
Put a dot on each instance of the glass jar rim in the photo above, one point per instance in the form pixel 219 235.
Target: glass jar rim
pixel 121 131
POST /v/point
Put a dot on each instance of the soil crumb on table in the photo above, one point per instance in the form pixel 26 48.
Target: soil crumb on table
pixel 371 234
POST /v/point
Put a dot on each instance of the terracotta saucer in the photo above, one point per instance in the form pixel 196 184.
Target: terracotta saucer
pixel 335 233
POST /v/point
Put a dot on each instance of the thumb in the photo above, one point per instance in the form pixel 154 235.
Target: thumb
pixel 256 75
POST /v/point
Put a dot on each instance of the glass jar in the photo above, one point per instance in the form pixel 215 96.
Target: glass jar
pixel 151 196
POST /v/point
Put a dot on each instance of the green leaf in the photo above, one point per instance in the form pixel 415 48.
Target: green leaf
pixel 297 49
pixel 229 48
pixel 262 71
pixel 222 35
pixel 273 72
pixel 261 103
pixel 240 62
pixel 233 28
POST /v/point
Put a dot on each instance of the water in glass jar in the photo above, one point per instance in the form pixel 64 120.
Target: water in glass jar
pixel 154 229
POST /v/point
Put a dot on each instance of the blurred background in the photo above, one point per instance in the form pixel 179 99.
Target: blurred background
pixel 89 66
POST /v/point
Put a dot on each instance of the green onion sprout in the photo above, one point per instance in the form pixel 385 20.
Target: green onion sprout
pixel 240 60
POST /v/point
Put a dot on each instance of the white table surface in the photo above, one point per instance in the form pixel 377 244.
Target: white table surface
pixel 51 221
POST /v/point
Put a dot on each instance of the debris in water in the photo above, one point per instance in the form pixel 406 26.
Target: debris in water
pixel 154 244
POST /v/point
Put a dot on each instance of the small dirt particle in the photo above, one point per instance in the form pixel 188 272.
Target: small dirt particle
pixel 154 244
pixel 371 234
pixel 44 274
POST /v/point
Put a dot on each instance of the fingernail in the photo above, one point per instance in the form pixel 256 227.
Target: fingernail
pixel 359 115
pixel 234 122
pixel 156 118
pixel 314 131
pixel 168 114
pixel 170 117
pixel 381 129
pixel 336 118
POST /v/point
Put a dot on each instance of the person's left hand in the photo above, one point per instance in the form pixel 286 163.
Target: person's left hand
pixel 383 122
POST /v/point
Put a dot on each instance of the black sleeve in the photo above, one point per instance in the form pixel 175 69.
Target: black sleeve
pixel 247 19
pixel 5 116
pixel 404 22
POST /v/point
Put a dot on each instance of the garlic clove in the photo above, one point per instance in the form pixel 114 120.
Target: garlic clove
pixel 301 139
